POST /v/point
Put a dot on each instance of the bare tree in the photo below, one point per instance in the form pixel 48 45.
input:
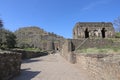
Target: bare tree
pixel 117 23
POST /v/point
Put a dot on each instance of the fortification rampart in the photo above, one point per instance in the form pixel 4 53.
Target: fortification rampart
pixel 99 66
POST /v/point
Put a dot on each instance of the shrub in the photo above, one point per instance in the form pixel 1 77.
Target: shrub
pixel 117 35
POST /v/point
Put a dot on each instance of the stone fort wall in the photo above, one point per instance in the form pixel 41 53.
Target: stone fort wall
pixel 99 66
pixel 71 45
pixel 105 67
pixel 97 43
pixel 9 65
pixel 74 44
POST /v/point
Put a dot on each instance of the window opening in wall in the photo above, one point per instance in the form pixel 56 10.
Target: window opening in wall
pixel 103 32
pixel 86 33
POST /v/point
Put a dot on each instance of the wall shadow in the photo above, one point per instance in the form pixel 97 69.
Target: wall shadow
pixel 30 61
pixel 26 75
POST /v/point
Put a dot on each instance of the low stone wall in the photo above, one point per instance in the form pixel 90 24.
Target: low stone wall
pixel 100 67
pixel 9 65
pixel 30 54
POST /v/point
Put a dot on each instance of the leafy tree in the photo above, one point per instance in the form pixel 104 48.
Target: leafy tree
pixel 117 23
pixel 1 25
pixel 11 40
pixel 8 39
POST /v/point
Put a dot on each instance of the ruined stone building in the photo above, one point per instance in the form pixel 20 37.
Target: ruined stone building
pixel 93 30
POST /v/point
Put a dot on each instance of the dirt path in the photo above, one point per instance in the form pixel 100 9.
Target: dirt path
pixel 51 67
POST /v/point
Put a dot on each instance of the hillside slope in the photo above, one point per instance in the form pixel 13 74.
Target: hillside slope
pixel 35 37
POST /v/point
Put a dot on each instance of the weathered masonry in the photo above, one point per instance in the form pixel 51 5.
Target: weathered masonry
pixel 93 30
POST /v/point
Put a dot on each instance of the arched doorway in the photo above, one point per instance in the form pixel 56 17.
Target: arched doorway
pixel 103 32
pixel 86 33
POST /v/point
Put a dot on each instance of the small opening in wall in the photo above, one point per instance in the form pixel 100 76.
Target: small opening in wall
pixel 86 33
pixel 57 49
pixel 103 32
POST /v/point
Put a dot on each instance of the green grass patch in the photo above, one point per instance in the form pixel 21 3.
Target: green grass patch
pixel 99 50
pixel 114 39
pixel 32 49
pixel 117 35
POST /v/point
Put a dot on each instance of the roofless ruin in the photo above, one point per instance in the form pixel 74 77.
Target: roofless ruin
pixel 93 30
